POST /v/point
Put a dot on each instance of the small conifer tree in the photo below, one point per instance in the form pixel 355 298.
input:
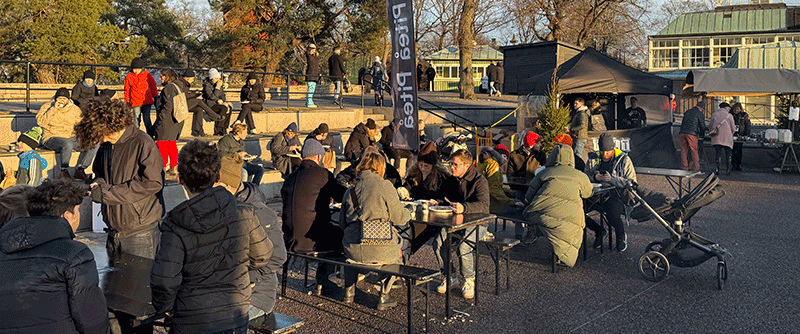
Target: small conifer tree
pixel 553 117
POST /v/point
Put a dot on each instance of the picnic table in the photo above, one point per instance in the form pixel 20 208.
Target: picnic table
pixel 675 177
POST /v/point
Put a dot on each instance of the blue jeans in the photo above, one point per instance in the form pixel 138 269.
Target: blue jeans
pixel 464 251
pixel 312 87
pixel 143 113
pixel 64 147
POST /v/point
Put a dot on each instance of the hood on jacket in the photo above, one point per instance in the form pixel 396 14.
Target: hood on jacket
pixel 487 152
pixel 361 128
pixel 24 233
pixel 562 155
pixel 205 212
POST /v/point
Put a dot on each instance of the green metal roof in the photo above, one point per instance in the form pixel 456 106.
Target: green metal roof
pixel 727 22
pixel 785 55
pixel 480 52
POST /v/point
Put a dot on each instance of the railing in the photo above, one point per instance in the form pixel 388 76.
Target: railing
pixel 283 79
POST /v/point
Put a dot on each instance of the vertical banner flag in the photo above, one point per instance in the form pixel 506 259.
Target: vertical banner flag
pixel 404 75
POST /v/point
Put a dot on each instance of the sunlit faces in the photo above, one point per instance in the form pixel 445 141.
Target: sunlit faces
pixel 458 167
pixel 424 168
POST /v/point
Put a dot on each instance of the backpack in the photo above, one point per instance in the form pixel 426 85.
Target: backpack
pixel 180 108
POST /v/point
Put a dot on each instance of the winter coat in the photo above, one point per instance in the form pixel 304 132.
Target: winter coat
pixel 579 125
pixel 378 72
pixel 58 122
pixel 501 74
pixel 336 66
pixel 30 168
pixel 726 129
pixel 556 203
pixel 228 145
pixel 620 167
pixel 387 134
pixel 524 162
pixel 312 66
pixel 742 122
pixel 130 178
pixel 140 89
pixel 694 123
pixel 358 141
pixel 427 188
pixel 491 72
pixel 166 126
pixel 430 72
pixel 265 279
pixel 212 93
pixel 255 93
pixel 498 200
pixel 280 147
pixel 200 272
pixel 81 94
pixel 472 191
pixel 49 282
pixel 306 194
pixel 377 199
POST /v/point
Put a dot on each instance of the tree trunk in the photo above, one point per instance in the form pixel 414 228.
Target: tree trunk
pixel 466 40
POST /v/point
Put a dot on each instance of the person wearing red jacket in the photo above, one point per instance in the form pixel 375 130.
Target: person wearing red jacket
pixel 140 92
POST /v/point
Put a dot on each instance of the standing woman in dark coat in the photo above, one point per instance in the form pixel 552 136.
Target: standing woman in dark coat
pixel 741 123
pixel 312 73
pixel 252 100
pixel 167 129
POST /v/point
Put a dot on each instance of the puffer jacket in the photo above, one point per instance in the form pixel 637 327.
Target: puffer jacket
pixel 579 125
pixel 58 122
pixel 377 199
pixel 81 93
pixel 358 141
pixel 49 282
pixel 265 279
pixel 498 200
pixel 200 272
pixel 620 167
pixel 472 191
pixel 130 178
pixel 556 203
pixel 312 66
pixel 212 93
pixel 253 93
pixel 140 89
pixel 693 123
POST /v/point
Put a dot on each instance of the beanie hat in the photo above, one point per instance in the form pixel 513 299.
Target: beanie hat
pixel 292 127
pixel 701 104
pixel 312 148
pixel 188 73
pixel 230 172
pixel 427 153
pixel 137 63
pixel 252 75
pixel 564 139
pixel 724 105
pixel 502 149
pixel 89 74
pixel 323 128
pixel 606 142
pixel 531 138
pixel 371 124
pixel 32 137
pixel 62 92
pixel 213 73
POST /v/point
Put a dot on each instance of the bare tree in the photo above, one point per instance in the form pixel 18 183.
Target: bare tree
pixel 466 38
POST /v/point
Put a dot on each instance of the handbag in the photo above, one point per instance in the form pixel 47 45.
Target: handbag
pixel 715 131
pixel 180 109
pixel 375 231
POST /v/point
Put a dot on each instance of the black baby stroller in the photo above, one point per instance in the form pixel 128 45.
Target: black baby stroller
pixel 683 248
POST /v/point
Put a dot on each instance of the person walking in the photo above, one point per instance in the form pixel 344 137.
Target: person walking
pixel 338 72
pixel 167 129
pixel 693 127
pixel 252 98
pixel 379 79
pixel 491 73
pixel 312 73
pixel 141 92
pixel 501 77
pixel 722 141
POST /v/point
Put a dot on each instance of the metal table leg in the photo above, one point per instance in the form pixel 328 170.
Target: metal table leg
pixel 447 269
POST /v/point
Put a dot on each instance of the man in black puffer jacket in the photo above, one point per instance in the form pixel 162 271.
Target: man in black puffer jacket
pixel 49 282
pixel 361 137
pixel 208 244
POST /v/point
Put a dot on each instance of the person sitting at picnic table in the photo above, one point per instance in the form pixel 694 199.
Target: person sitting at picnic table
pixel 264 279
pixel 233 144
pixel 525 160
pixel 347 177
pixel 500 204
pixel 567 140
pixel 283 146
pixel 506 154
pixel 425 179
pixel 208 243
pixel 373 200
pixel 556 203
pixel 467 191
pixel 49 282
pixel 611 166
pixel 307 194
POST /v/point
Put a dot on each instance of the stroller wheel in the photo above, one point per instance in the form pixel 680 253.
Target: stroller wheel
pixel 654 246
pixel 653 266
pixel 722 275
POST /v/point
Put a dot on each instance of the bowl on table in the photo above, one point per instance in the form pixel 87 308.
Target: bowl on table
pixel 441 209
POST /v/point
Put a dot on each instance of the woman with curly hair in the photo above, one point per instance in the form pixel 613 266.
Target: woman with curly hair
pixel 167 129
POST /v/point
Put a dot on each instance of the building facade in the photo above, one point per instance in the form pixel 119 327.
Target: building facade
pixel 446 63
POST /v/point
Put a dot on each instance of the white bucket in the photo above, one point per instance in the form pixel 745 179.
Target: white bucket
pixel 785 136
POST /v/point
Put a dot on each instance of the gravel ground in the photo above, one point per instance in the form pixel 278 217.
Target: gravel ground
pixel 753 221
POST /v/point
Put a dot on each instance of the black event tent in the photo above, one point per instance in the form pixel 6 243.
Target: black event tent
pixel 593 72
